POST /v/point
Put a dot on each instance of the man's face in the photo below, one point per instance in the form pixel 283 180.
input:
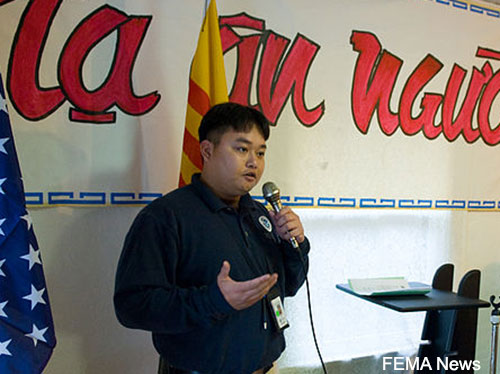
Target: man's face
pixel 236 163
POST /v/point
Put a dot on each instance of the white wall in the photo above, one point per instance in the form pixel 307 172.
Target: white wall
pixel 80 249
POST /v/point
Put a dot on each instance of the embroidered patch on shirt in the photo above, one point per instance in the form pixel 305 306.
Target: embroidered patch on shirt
pixel 264 221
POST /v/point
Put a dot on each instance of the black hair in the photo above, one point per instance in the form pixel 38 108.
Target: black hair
pixel 231 116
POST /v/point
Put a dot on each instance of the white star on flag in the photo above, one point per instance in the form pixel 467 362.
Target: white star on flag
pixel 35 297
pixel 1 272
pixel 1 223
pixel 3 105
pixel 28 220
pixel 33 257
pixel 2 142
pixel 2 312
pixel 37 335
pixel 3 348
pixel 2 180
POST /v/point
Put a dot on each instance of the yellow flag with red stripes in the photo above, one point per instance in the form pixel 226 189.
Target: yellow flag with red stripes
pixel 207 87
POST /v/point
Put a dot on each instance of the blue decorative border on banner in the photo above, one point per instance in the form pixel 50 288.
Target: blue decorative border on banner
pixel 476 204
pixel 297 201
pixel 411 204
pixel 331 202
pixel 472 7
pixel 102 199
pixel 131 198
pixel 84 198
pixel 373 203
pixel 34 198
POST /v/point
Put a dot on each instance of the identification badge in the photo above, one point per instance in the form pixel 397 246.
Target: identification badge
pixel 277 309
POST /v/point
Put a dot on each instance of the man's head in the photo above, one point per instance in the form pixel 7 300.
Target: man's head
pixel 231 116
pixel 233 145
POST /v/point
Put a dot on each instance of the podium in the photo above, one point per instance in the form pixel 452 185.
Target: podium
pixel 451 320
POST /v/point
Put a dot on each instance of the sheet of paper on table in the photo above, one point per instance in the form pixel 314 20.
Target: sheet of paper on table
pixel 387 286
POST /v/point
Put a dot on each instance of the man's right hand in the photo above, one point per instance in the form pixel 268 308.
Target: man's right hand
pixel 241 295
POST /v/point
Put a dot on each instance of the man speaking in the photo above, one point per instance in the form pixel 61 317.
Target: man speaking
pixel 205 268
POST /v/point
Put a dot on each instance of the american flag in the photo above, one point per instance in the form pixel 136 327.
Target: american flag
pixel 26 328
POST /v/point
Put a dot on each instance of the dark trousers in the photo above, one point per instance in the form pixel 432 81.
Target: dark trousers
pixel 165 368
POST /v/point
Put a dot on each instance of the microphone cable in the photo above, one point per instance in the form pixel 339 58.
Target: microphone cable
pixel 310 311
pixel 271 194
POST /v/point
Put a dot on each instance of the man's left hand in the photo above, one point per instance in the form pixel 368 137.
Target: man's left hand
pixel 288 224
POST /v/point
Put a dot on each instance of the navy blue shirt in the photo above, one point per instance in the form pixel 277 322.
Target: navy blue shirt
pixel 166 280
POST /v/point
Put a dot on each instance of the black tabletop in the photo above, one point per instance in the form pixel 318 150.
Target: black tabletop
pixel 434 300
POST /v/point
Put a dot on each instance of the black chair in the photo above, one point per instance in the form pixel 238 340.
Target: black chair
pixel 451 333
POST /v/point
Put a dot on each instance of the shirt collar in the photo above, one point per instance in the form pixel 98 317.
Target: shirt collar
pixel 213 202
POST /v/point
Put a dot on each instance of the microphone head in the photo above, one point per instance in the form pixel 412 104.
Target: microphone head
pixel 271 192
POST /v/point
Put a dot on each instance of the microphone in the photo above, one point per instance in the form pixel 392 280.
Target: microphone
pixel 272 195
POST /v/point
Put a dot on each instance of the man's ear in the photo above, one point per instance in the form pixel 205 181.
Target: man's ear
pixel 206 149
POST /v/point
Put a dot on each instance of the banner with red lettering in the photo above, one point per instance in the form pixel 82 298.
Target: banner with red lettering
pixel 385 104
